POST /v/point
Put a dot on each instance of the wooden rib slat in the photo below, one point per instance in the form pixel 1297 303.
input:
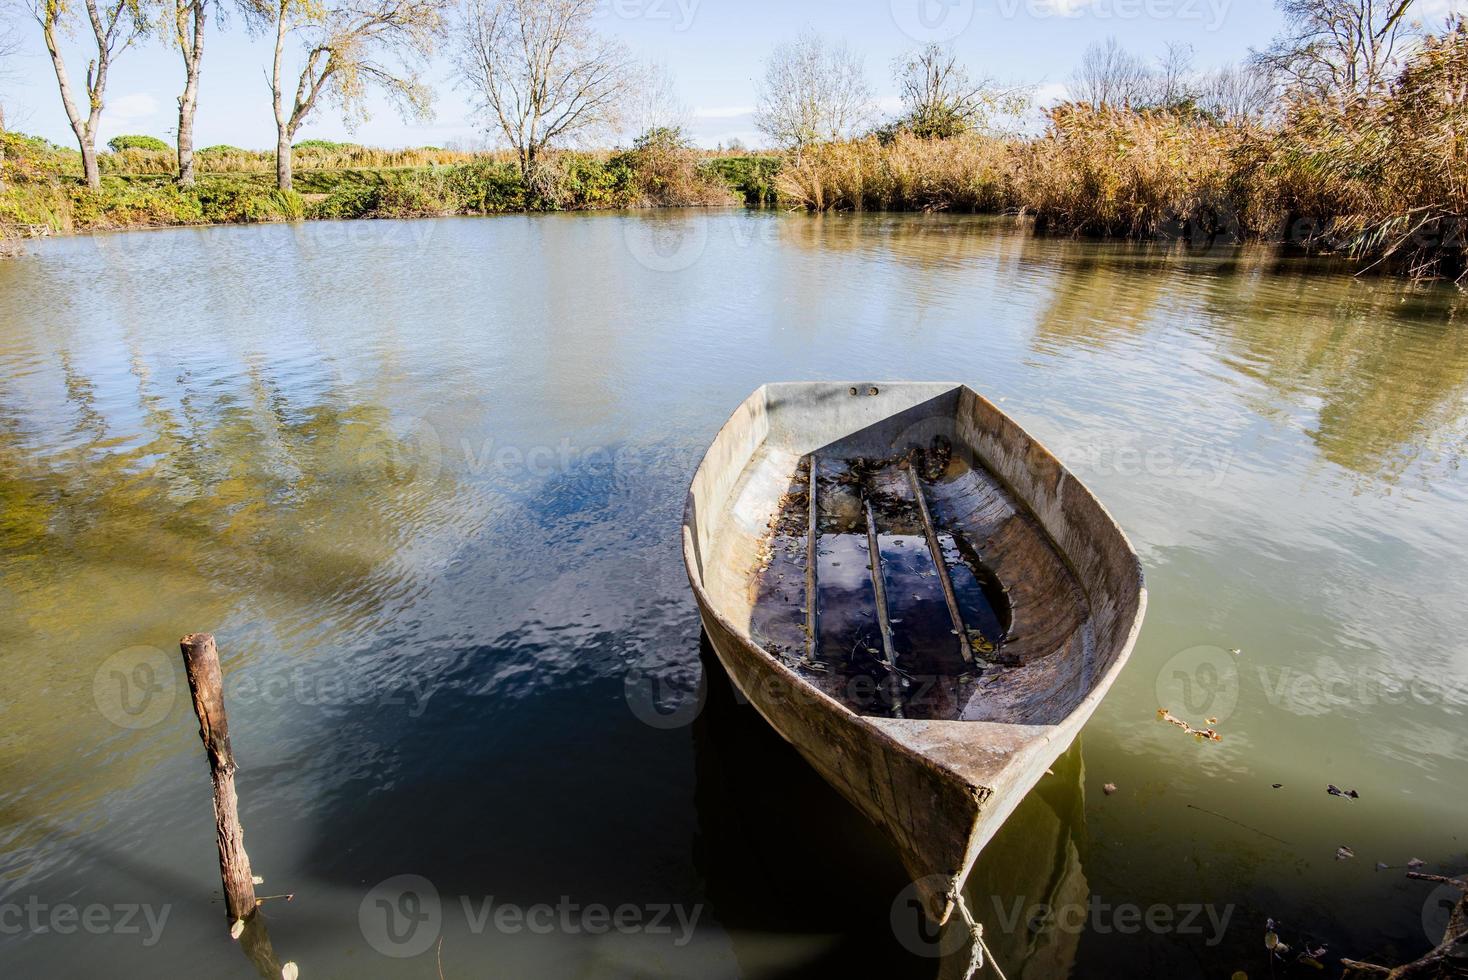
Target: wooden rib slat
pixel 936 549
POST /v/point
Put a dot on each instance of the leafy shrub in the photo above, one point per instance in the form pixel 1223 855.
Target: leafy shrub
pixel 328 145
pixel 119 143
pixel 662 169
pixel 485 187
pixel 226 202
pixel 752 178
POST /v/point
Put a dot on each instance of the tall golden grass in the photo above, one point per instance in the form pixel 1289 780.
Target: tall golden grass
pixel 237 161
pixel 1384 179
pixel 967 173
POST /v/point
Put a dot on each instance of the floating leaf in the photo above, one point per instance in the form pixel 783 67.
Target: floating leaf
pixel 237 929
pixel 1335 790
pixel 1109 788
pixel 1382 866
pixel 1201 734
pixel 1279 785
pixel 258 880
pixel 1415 863
pixel 290 971
pixel 1271 940
pixel 1343 852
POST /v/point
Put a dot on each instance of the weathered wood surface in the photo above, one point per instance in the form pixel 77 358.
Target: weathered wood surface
pixel 206 682
pixel 939 788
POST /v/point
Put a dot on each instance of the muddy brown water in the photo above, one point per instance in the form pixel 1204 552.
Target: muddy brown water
pixel 424 481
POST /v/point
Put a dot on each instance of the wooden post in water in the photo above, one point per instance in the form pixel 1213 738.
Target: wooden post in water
pixel 201 660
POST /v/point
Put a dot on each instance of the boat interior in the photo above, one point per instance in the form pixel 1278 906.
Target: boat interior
pixel 881 558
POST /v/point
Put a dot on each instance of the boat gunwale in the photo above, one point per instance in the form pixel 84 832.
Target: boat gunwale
pixel 1040 737
pixel 1099 688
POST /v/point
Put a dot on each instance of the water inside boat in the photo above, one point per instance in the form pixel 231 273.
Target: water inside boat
pixel 913 634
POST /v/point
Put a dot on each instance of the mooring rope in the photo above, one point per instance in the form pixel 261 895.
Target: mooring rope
pixel 979 951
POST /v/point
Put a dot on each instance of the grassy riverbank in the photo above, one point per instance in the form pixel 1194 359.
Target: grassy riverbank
pixel 43 193
pixel 1385 184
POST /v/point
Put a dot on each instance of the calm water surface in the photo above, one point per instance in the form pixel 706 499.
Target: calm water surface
pixel 424 479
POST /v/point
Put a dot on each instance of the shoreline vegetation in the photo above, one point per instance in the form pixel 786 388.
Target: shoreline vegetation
pixel 1348 137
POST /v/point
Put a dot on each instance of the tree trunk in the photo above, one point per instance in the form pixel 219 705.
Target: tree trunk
pixel 201 663
pixel 193 55
pixel 283 126
pixel 186 105
pixel 283 160
pixel 90 172
pixel 85 129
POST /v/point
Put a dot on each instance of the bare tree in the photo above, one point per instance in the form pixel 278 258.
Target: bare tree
pixel 350 47
pixel 653 103
pixel 812 90
pixel 1173 83
pixel 541 73
pixel 1339 51
pixel 187 31
pixel 1109 75
pixel 114 25
pixel 939 98
pixel 1238 95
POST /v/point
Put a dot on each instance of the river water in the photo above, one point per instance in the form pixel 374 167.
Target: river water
pixel 424 479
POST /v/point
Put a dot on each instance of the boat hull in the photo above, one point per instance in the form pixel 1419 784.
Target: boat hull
pixel 938 788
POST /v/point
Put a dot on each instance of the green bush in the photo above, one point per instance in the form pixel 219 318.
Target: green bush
pixel 228 202
pixel 485 187
pixel 343 203
pixel 121 204
pixel 327 145
pixel 753 178
pixel 221 148
pixel 119 143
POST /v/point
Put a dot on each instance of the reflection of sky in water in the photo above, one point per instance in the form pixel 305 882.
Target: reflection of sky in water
pixel 443 463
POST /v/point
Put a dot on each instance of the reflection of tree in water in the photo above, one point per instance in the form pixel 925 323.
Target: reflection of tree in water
pixel 1383 367
pixel 1092 302
pixel 937 242
pixel 169 508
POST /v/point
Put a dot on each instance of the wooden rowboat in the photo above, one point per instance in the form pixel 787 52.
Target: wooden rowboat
pixel 933 687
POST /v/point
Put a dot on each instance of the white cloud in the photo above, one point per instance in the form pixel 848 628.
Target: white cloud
pixel 131 113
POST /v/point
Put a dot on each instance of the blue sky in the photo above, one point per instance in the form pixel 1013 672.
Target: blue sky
pixel 713 48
